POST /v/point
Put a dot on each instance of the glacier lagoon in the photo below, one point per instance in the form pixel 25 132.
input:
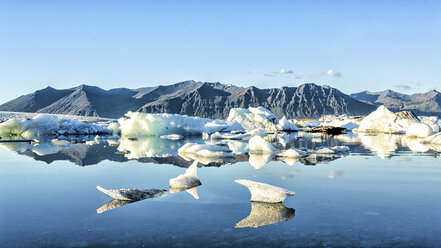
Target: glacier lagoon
pixel 384 192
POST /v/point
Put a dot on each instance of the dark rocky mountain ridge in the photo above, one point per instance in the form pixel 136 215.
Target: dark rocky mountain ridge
pixel 211 100
pixel 428 103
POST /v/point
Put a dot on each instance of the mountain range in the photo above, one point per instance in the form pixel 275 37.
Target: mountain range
pixel 428 103
pixel 210 100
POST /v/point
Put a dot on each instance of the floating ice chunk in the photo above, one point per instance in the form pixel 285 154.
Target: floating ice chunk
pixel 187 180
pixel 260 146
pixel 141 124
pixel 266 214
pixel 420 130
pixel 172 137
pixel 262 192
pixel 132 194
pixel 433 139
pixel 259 160
pixel 286 125
pixel 205 150
pixel 292 153
pixel 384 121
pixel 253 118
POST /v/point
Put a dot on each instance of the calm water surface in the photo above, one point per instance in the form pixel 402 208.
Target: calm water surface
pixel 386 192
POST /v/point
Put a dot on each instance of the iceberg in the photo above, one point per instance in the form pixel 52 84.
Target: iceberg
pixel 137 124
pixel 149 147
pixel 383 120
pixel 187 180
pixel 262 192
pixel 48 125
pixel 263 214
pixel 260 146
pixel 259 117
pixel 132 194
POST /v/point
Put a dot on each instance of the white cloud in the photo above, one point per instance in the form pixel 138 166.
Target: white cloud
pixel 332 73
pixel 284 71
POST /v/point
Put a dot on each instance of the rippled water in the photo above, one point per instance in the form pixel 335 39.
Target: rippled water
pixel 385 192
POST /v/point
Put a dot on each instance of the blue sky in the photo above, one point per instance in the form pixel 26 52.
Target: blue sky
pixel 350 45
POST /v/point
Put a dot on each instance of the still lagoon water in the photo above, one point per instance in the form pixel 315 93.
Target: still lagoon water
pixel 386 192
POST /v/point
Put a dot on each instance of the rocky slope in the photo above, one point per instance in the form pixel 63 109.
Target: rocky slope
pixel 212 100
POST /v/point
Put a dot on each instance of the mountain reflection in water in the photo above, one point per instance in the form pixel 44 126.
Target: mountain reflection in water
pixel 92 150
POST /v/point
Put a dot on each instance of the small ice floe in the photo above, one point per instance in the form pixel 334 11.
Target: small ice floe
pixel 132 194
pixel 192 191
pixel 433 139
pixel 172 136
pixel 205 150
pixel 187 180
pixel 419 130
pixel 262 192
pixel 263 214
pixel 260 146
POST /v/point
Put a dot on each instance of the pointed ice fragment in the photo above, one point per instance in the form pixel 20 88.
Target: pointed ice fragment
pixel 262 192
pixel 187 180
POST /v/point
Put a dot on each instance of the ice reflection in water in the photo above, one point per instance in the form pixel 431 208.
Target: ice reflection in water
pixel 266 214
pixel 89 150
